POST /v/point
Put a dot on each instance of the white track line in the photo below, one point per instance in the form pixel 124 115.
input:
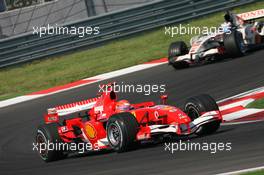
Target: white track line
pixel 243 94
pixel 243 171
pixel 125 71
pixel 238 103
pixel 19 99
pixel 241 113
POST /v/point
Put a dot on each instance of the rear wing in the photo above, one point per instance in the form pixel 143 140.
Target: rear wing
pixel 66 109
pixel 252 15
pixel 62 110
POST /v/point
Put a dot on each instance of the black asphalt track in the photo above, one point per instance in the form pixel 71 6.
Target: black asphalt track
pixel 18 126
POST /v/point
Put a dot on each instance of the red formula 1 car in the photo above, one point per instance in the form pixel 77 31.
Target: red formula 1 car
pixel 110 124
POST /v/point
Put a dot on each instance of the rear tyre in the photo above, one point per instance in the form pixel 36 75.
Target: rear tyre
pixel 121 130
pixel 234 45
pixel 195 106
pixel 177 48
pixel 49 133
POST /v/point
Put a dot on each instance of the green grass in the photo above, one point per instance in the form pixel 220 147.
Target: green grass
pixel 261 172
pixel 121 53
pixel 259 104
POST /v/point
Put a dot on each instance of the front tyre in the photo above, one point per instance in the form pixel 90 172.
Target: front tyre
pixel 177 48
pixel 121 130
pixel 48 133
pixel 195 106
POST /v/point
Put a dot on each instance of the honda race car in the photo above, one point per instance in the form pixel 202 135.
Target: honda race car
pixel 238 34
pixel 107 123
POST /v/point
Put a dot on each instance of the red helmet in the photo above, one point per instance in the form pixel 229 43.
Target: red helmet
pixel 122 105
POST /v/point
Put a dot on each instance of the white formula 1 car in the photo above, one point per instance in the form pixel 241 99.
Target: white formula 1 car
pixel 238 34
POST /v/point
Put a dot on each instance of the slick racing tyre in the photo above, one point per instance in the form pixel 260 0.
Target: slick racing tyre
pixel 121 131
pixel 234 44
pixel 195 106
pixel 176 49
pixel 48 133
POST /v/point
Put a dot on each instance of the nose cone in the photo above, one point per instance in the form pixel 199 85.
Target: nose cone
pixel 183 118
pixel 179 117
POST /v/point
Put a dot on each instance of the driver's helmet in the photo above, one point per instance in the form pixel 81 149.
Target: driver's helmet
pixel 122 105
pixel 228 17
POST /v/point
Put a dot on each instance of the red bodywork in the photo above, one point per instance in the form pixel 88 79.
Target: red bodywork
pixel 148 115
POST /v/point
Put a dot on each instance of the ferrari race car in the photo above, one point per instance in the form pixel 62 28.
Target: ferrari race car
pixel 238 34
pixel 106 123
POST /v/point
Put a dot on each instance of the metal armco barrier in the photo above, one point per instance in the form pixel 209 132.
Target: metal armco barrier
pixel 114 25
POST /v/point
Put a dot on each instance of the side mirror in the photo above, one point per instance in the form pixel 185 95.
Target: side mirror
pixel 164 99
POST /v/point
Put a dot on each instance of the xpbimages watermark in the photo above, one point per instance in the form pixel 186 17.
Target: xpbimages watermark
pixel 63 30
pixel 145 89
pixel 195 30
pixel 212 147
pixel 74 147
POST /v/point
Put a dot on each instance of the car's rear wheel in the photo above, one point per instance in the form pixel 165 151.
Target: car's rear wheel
pixel 121 130
pixel 234 44
pixel 48 134
pixel 195 106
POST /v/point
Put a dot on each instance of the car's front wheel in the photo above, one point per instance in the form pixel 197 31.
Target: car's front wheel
pixel 177 48
pixel 195 106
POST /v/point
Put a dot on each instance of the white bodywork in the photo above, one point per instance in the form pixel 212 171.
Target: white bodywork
pixel 248 30
pixel 194 125
pixel 201 47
